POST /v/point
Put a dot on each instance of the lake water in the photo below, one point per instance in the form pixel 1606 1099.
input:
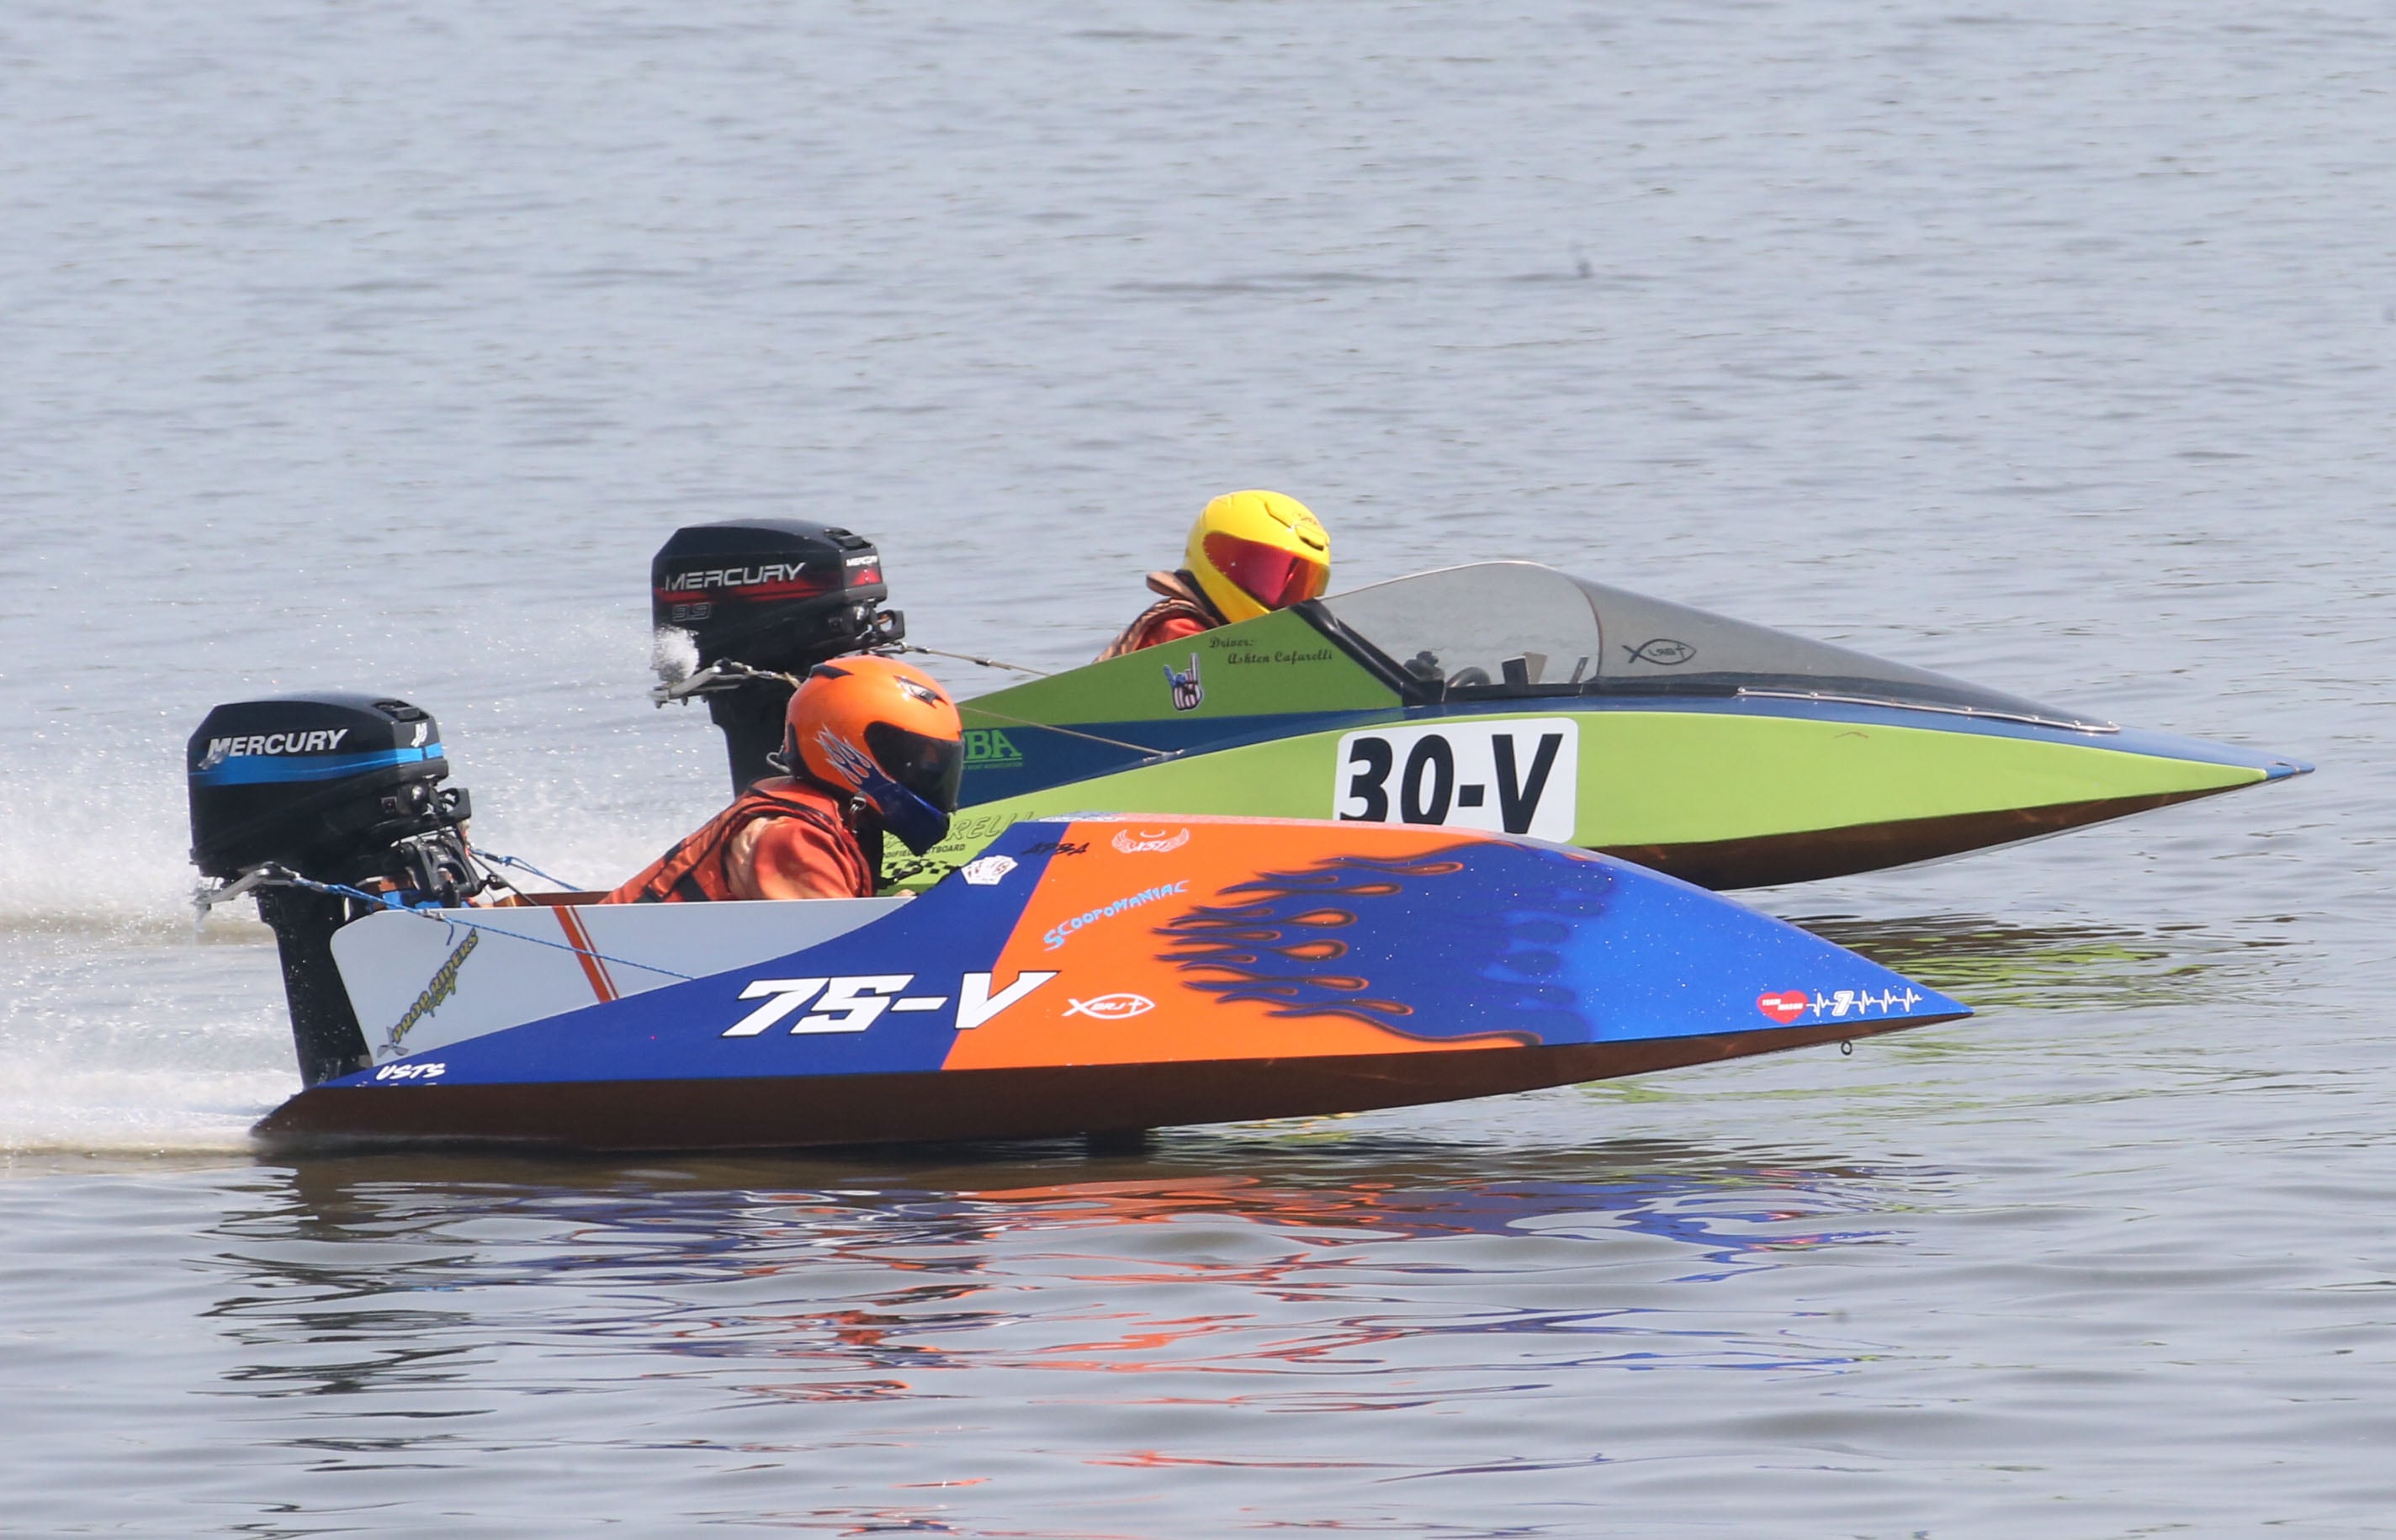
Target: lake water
pixel 378 348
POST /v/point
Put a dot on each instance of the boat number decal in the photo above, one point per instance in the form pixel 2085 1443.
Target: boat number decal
pixel 856 1001
pixel 1112 1008
pixel 1786 1005
pixel 1513 778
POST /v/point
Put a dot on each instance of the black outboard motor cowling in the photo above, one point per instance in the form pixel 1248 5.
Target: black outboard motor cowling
pixel 337 789
pixel 778 594
pixel 323 784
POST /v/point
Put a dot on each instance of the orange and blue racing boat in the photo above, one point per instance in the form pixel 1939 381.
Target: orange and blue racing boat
pixel 1077 975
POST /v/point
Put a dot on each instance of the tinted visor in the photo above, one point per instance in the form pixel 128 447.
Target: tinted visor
pixel 932 769
pixel 1267 574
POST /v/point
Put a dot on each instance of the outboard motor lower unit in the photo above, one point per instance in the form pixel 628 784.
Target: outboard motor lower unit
pixel 336 789
pixel 779 595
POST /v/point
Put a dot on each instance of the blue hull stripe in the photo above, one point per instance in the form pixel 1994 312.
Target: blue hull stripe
pixel 264 769
pixel 1063 757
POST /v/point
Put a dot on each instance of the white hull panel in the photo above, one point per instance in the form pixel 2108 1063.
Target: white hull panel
pixel 428 978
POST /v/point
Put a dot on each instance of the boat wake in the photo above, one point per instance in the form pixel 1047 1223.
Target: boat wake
pixel 127 1026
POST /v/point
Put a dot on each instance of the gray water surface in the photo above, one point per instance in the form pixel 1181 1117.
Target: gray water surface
pixel 378 348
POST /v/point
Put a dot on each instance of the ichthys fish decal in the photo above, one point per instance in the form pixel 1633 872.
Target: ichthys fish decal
pixel 1662 650
pixel 1121 1006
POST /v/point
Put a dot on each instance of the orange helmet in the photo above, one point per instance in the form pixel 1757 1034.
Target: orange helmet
pixel 886 732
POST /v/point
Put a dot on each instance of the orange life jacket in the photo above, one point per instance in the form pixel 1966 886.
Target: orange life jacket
pixel 693 870
pixel 1184 611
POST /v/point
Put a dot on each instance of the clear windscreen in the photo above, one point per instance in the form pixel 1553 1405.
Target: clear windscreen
pixel 1499 629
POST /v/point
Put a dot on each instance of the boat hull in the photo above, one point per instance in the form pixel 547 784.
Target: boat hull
pixel 1726 794
pixel 1086 976
pixel 1811 855
pixel 801 1111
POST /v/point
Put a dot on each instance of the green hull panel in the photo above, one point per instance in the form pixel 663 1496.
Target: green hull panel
pixel 1671 777
pixel 1647 781
pixel 1275 665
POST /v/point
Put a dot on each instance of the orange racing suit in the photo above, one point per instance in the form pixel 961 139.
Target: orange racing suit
pixel 1183 612
pixel 780 839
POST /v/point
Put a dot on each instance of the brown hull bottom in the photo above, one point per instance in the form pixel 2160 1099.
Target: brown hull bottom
pixel 790 1112
pixel 1767 860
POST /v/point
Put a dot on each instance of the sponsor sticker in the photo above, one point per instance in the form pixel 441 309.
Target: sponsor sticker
pixel 1057 933
pixel 766 575
pixel 443 984
pixel 1188 694
pixel 989 747
pixel 400 1073
pixel 989 870
pixel 1787 1006
pixel 1838 1002
pixel 982 825
pixel 322 740
pixel 1149 842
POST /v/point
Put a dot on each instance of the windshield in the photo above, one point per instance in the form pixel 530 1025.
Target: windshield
pixel 1500 629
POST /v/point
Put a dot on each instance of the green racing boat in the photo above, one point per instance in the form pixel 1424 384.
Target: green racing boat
pixel 1507 696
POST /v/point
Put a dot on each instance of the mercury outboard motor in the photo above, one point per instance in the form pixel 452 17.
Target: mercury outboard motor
pixel 778 595
pixel 336 789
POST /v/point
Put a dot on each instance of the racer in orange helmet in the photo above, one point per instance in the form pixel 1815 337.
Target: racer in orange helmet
pixel 1248 552
pixel 871 745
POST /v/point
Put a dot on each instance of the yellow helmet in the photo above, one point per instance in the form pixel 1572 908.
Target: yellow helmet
pixel 1254 551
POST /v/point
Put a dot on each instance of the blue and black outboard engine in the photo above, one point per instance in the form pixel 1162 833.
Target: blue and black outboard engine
pixel 338 790
pixel 779 595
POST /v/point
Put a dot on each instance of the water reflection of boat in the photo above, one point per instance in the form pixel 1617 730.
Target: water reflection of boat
pixel 700 1214
pixel 1229 1271
pixel 1727 1214
pixel 1510 696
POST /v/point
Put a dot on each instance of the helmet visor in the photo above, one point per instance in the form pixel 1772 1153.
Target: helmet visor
pixel 933 768
pixel 1268 574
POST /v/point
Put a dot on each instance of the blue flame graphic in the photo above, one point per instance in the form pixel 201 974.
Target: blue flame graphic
pixel 1463 942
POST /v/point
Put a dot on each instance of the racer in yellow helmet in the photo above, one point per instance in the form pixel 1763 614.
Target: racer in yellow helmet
pixel 1249 552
